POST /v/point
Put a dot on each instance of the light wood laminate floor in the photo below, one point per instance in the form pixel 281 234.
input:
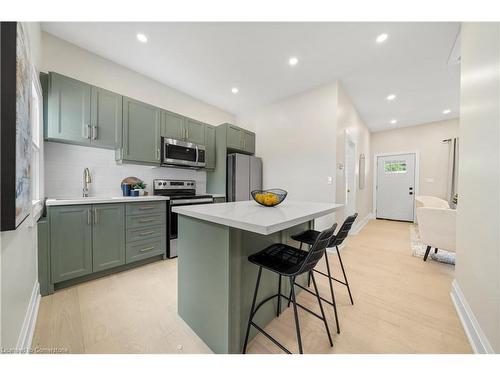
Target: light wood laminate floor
pixel 402 305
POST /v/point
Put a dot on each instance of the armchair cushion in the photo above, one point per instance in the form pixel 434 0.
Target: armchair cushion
pixel 437 227
pixel 429 201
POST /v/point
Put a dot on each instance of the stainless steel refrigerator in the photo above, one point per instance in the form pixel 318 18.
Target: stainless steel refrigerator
pixel 244 174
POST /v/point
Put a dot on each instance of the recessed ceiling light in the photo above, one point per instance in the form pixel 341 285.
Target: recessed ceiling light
pixel 142 38
pixel 391 97
pixel 446 111
pixel 235 90
pixel 394 121
pixel 381 38
pixel 293 61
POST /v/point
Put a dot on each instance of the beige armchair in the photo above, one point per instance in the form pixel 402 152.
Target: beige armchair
pixel 437 228
pixel 429 201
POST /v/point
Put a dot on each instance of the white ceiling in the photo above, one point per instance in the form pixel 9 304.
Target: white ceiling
pixel 206 60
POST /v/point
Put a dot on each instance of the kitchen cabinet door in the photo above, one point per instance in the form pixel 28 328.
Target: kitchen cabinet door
pixel 70 241
pixel 106 118
pixel 141 132
pixel 248 142
pixel 108 236
pixel 210 147
pixel 234 137
pixel 69 110
pixel 172 125
pixel 195 131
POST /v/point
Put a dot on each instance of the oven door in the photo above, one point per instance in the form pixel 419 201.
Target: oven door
pixel 175 152
pixel 173 220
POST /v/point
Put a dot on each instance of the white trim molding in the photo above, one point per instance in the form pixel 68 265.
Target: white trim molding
pixel 28 328
pixel 477 339
pixel 360 224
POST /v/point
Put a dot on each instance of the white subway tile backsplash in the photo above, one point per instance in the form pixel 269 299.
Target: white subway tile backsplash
pixel 64 166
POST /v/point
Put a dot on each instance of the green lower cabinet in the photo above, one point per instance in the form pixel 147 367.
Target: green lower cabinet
pixel 108 236
pixel 70 242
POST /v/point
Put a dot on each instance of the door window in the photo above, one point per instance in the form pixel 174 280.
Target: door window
pixel 391 167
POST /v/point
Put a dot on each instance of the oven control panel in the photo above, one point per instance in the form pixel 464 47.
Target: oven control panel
pixel 161 184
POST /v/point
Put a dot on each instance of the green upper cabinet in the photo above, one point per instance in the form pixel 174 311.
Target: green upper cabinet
pixel 210 147
pixel 239 139
pixel 70 241
pixel 195 131
pixel 172 125
pixel 141 132
pixel 82 114
pixel 106 118
pixel 183 128
pixel 68 117
pixel 234 137
pixel 108 236
pixel 249 142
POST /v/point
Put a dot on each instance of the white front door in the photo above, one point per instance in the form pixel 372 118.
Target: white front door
pixel 396 187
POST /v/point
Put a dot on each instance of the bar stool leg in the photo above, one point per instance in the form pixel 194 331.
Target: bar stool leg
pixel 321 307
pixel 250 318
pixel 278 311
pixel 330 281
pixel 345 277
pixel 296 315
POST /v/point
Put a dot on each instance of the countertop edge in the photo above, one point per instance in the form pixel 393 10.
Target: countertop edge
pixel 255 228
pixel 96 200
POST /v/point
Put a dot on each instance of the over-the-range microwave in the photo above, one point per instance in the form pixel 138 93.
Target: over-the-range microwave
pixel 182 154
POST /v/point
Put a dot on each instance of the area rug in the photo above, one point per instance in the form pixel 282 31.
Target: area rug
pixel 418 248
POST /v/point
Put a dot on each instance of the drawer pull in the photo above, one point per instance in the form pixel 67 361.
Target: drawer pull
pixel 146 249
pixel 146 207
pixel 146 220
pixel 146 233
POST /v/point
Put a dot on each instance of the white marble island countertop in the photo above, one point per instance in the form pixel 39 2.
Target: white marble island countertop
pixel 252 217
pixel 97 200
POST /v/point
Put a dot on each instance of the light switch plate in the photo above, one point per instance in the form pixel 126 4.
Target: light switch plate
pixel 429 179
pixel 329 180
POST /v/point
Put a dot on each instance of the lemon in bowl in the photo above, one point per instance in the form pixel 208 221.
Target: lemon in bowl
pixel 269 198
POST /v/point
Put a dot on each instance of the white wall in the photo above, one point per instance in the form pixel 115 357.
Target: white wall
pixel 18 254
pixel 350 125
pixel 434 155
pixel 64 163
pixel 478 218
pixel 296 139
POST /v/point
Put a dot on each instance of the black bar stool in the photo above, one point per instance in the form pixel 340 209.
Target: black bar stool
pixel 290 262
pixel 309 237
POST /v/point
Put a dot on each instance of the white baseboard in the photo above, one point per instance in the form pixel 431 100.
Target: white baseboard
pixel 475 334
pixel 28 328
pixel 358 225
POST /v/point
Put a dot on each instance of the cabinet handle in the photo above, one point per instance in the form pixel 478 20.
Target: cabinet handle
pixel 146 233
pixel 146 249
pixel 94 132
pixel 146 220
pixel 187 133
pixel 86 131
pixel 146 207
pixel 88 217
pixel 157 154
pixel 96 220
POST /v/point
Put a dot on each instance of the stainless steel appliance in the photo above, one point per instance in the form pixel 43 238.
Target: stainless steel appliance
pixel 181 193
pixel 244 174
pixel 182 154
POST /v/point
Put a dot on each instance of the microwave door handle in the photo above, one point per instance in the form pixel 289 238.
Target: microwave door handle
pixel 197 156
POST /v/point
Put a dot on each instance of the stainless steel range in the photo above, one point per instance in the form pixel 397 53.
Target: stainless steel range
pixel 181 193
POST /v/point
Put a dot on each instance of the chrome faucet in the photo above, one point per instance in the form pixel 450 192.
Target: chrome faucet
pixel 86 181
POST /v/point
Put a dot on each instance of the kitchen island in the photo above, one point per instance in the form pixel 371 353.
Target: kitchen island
pixel 215 279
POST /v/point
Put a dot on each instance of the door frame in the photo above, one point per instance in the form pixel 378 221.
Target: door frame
pixel 350 140
pixel 416 188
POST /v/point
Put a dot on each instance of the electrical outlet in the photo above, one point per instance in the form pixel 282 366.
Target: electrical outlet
pixel 329 180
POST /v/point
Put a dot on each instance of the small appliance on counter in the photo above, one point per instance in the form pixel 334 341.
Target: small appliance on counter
pixel 181 193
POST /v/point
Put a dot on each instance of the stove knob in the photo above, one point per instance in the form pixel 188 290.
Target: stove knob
pixel 164 183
